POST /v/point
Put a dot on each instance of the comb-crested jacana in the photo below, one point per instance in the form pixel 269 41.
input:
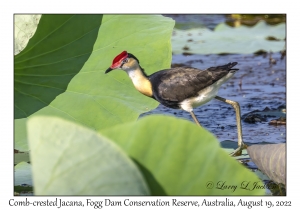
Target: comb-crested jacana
pixel 181 87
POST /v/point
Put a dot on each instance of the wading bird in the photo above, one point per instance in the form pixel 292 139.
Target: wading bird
pixel 181 87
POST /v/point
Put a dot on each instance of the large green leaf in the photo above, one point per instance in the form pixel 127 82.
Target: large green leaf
pixel 225 39
pixel 61 71
pixel 54 55
pixel 179 158
pixel 68 159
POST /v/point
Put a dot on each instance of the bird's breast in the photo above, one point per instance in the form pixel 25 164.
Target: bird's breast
pixel 144 88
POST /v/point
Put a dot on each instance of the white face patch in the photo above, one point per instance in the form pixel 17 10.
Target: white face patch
pixel 131 73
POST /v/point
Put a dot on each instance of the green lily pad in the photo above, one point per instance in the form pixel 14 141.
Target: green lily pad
pixel 229 146
pixel 23 174
pixel 21 157
pixel 69 159
pixel 261 175
pixel 225 39
pixel 177 157
pixel 61 71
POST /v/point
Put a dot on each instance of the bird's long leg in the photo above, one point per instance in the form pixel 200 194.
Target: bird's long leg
pixel 236 106
pixel 195 118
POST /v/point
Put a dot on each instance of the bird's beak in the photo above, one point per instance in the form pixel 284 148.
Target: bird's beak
pixel 116 65
pixel 108 70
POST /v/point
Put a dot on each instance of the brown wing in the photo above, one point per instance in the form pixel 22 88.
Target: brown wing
pixel 171 86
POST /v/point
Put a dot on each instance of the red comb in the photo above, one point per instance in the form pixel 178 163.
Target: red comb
pixel 117 60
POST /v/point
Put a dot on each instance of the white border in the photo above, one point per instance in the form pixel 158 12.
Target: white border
pixel 150 7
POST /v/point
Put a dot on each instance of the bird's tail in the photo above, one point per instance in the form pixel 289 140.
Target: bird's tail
pixel 227 67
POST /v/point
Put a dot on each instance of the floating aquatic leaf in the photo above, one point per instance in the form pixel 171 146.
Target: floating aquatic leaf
pixel 23 174
pixel 225 39
pixel 21 157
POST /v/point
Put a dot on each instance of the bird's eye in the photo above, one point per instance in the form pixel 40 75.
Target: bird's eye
pixel 125 60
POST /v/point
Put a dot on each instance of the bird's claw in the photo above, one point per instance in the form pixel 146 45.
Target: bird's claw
pixel 239 150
